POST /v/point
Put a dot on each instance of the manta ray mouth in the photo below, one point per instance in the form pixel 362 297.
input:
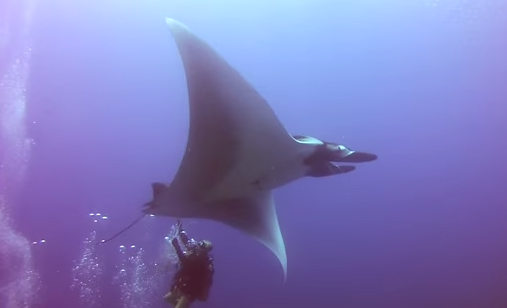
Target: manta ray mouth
pixel 346 169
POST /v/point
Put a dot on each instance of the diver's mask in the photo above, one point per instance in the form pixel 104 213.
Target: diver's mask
pixel 205 245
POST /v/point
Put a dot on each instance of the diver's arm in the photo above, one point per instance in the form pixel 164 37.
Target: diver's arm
pixel 182 234
pixel 179 252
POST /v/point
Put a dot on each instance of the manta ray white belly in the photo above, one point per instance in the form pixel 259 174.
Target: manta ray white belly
pixel 264 173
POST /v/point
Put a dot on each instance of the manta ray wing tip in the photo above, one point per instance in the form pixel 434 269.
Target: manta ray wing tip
pixel 176 27
pixel 174 24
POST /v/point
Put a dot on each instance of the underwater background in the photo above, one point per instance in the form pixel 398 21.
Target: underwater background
pixel 93 109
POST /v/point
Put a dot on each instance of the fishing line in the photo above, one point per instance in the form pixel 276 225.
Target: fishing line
pixel 123 230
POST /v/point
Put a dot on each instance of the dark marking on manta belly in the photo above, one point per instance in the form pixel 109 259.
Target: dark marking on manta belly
pixel 257 184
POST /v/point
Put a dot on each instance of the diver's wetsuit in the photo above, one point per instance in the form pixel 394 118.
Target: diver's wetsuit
pixel 195 270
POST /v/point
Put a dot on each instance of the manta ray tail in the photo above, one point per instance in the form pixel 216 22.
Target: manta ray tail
pixel 257 217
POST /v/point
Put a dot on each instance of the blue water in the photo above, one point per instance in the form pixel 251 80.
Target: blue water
pixel 93 108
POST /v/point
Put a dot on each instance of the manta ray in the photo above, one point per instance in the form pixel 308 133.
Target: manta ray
pixel 237 151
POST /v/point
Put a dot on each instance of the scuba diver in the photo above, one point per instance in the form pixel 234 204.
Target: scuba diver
pixel 195 272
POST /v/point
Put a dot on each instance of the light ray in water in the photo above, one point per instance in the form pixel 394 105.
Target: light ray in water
pixel 19 282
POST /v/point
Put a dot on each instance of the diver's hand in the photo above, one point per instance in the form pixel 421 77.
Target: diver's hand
pixel 179 226
pixel 174 241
